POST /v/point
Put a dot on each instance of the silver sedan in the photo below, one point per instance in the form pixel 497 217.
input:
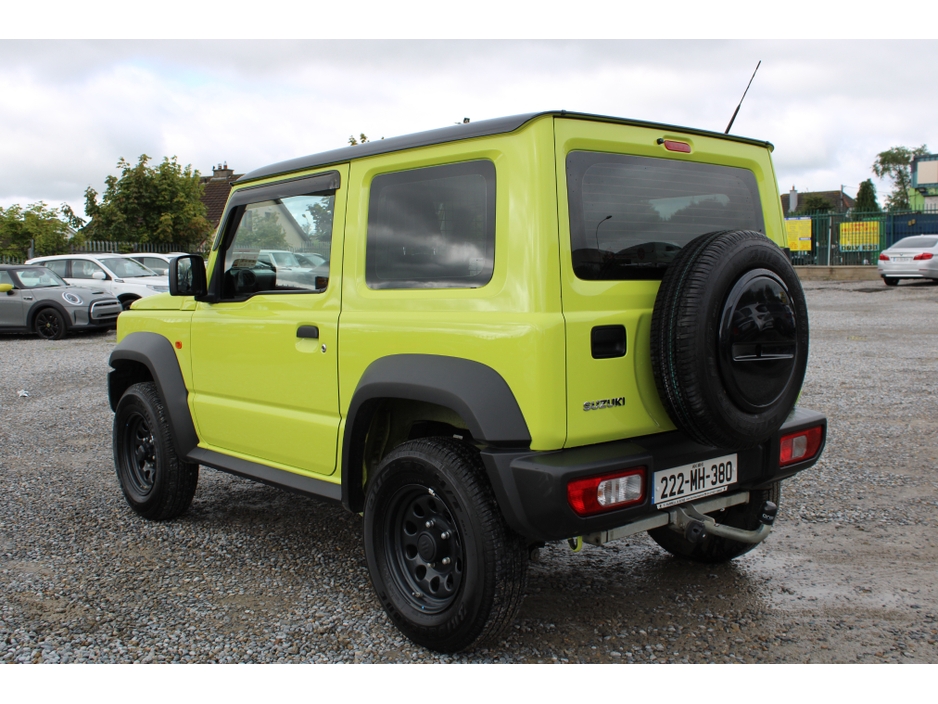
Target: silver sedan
pixel 910 258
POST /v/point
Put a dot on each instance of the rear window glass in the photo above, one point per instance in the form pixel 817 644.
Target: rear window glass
pixel 432 227
pixel 630 216
pixel 916 243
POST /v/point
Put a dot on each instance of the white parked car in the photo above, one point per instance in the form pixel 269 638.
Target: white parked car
pixel 155 261
pixel 116 274
pixel 910 258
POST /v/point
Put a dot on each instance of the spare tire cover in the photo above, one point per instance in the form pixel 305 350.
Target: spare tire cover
pixel 729 339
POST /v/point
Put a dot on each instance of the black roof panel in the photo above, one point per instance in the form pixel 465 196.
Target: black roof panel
pixel 454 133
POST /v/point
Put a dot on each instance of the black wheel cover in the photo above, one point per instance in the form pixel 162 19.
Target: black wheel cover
pixel 729 339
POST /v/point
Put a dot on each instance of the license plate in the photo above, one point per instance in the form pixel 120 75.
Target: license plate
pixel 900 259
pixel 693 481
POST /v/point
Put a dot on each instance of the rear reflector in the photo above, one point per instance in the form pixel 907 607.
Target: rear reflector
pixel 923 255
pixel 800 446
pixel 607 491
pixel 883 258
pixel 673 146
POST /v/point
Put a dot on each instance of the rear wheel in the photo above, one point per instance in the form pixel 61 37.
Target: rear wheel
pixel 155 482
pixel 448 571
pixel 50 324
pixel 890 281
pixel 713 548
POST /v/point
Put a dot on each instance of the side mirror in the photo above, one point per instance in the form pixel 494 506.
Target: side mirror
pixel 5 288
pixel 99 275
pixel 187 276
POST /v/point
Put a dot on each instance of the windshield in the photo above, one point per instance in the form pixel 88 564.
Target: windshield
pixel 39 277
pixel 630 216
pixel 127 267
pixel 916 243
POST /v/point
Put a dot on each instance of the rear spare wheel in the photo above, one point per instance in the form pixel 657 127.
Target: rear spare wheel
pixel 729 339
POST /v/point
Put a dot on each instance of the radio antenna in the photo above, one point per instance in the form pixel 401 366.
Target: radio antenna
pixel 736 112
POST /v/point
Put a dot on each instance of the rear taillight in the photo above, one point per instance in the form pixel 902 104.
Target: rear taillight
pixel 800 446
pixel 883 258
pixel 607 491
pixel 923 255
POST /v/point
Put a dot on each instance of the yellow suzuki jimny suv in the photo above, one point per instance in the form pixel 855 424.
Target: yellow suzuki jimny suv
pixel 547 327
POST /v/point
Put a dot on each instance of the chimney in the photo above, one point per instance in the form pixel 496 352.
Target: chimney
pixel 222 172
pixel 792 200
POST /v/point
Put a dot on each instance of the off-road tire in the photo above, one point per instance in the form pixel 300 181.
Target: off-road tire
pixel 155 482
pixel 714 549
pixel 481 587
pixel 689 328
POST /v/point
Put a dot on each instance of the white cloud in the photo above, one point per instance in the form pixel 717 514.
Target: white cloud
pixel 72 108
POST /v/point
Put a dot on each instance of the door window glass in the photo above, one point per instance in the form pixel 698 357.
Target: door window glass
pixel 281 245
pixel 84 269
pixel 432 227
pixel 57 265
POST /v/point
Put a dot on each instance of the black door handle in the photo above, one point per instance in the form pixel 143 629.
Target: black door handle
pixel 308 332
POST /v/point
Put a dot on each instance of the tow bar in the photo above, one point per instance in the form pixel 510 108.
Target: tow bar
pixel 691 521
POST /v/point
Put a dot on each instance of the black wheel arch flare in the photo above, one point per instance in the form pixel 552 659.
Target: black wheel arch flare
pixel 155 353
pixel 475 391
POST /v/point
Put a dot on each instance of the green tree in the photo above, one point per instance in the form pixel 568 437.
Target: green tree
pixel 51 230
pixel 147 204
pixel 896 164
pixel 814 204
pixel 361 139
pixel 261 229
pixel 866 198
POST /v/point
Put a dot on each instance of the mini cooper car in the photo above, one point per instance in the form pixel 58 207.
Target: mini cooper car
pixel 545 327
pixel 118 275
pixel 909 258
pixel 35 299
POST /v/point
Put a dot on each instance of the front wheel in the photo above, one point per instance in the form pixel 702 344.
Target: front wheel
pixel 155 482
pixel 448 571
pixel 713 548
pixel 50 324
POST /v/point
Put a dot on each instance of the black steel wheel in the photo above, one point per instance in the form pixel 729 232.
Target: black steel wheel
pixel 447 569
pixel 49 324
pixel 424 547
pixel 155 482
pixel 714 549
pixel 138 453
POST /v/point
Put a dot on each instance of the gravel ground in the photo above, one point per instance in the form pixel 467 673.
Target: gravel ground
pixel 252 574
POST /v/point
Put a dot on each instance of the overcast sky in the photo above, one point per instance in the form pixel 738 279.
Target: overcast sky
pixel 71 109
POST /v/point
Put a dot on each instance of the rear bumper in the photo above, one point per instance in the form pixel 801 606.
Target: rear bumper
pixel 531 487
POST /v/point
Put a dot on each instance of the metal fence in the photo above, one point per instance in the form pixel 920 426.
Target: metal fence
pixel 852 239
pixel 134 247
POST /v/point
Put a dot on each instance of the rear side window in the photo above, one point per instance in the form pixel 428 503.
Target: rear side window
pixel 432 227
pixel 630 216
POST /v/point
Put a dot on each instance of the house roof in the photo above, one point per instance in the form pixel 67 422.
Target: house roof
pixel 839 201
pixel 454 133
pixel 216 190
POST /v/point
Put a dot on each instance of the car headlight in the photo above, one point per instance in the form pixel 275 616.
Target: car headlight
pixel 158 289
pixel 72 298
